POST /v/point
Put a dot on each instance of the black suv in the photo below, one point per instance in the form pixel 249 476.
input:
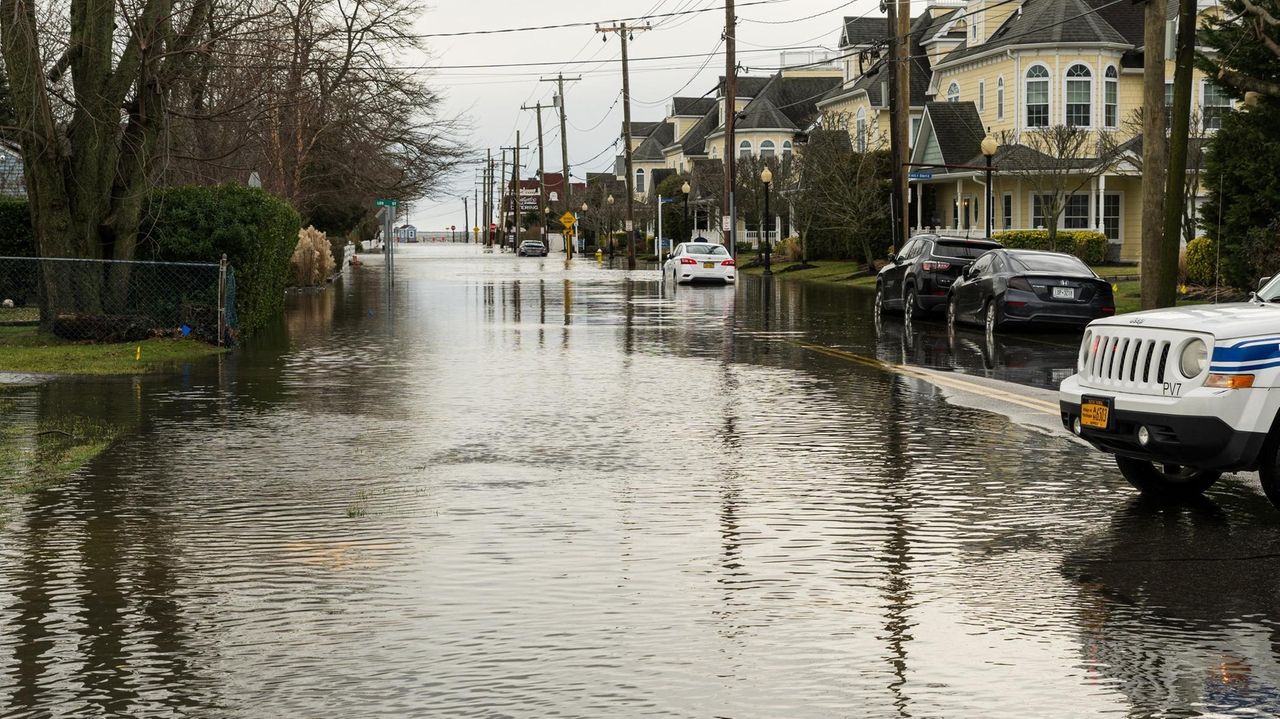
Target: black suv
pixel 916 280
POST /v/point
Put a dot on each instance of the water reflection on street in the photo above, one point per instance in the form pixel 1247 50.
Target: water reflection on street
pixel 535 489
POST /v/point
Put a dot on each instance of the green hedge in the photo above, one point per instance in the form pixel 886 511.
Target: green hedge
pixel 1200 257
pixel 1088 245
pixel 255 229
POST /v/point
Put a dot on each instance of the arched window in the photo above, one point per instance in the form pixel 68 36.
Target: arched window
pixel 1037 95
pixel 1079 96
pixel 953 92
pixel 1000 98
pixel 1111 97
pixel 860 132
pixel 744 148
pixel 786 149
pixel 640 180
pixel 767 149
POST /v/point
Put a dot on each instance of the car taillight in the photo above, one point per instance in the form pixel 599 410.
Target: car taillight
pixel 728 263
pixel 1108 311
pixel 1020 283
pixel 688 261
pixel 931 266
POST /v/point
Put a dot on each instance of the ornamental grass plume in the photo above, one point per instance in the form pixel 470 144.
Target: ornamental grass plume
pixel 312 260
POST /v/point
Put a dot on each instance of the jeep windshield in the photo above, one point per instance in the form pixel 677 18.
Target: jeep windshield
pixel 1270 292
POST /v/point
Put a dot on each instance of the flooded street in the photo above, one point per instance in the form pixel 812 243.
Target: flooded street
pixel 544 492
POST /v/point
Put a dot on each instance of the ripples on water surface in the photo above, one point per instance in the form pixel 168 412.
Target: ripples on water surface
pixel 539 492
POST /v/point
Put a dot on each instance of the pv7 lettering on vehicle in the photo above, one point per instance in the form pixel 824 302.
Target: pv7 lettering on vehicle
pixel 1172 389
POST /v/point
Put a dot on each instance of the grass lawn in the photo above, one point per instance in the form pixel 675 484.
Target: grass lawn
pixel 834 272
pixel 1128 296
pixel 17 315
pixel 25 349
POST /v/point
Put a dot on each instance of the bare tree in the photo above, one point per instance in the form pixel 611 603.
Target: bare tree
pixel 1057 162
pixel 840 189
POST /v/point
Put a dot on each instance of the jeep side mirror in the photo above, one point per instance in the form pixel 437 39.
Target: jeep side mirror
pixel 893 259
pixel 1263 283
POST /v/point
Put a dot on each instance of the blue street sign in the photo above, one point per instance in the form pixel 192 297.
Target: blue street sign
pixel 667 200
pixel 920 175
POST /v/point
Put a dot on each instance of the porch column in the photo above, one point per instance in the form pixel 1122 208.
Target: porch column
pixel 959 206
pixel 1102 194
pixel 919 206
pixel 1093 202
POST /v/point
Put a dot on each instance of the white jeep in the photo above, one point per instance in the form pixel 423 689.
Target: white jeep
pixel 1180 396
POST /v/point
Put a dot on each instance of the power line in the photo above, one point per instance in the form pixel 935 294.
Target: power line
pixel 799 19
pixel 561 26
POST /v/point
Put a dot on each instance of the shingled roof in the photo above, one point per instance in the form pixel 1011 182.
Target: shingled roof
pixel 747 86
pixel 872 81
pixel 651 149
pixel 786 102
pixel 1047 22
pixel 689 106
pixel 864 31
pixel 957 128
pixel 694 141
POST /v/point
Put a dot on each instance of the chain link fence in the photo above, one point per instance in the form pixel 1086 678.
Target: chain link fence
pixel 117 301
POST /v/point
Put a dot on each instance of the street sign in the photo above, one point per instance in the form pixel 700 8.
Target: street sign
pixel 452 227
pixel 667 200
pixel 920 175
pixel 631 226
pixel 387 203
pixel 568 220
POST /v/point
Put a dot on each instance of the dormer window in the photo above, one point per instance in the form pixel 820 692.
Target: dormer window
pixel 953 92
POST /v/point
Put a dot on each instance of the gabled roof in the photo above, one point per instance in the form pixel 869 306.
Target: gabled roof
pixel 864 31
pixel 957 129
pixel 787 102
pixel 872 81
pixel 1046 22
pixel 762 114
pixel 651 149
pixel 692 106
pixel 694 141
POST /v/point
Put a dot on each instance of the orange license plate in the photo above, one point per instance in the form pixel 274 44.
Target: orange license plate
pixel 1095 413
pixel 709 265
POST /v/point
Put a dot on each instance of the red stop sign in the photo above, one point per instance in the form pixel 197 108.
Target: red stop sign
pixel 452 228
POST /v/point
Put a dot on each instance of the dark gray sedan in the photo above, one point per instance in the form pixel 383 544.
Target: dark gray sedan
pixel 1024 287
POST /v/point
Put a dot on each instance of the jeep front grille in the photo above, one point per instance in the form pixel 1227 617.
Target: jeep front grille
pixel 1129 359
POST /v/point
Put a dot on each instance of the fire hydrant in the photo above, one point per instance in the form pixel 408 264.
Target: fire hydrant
pixel 599 255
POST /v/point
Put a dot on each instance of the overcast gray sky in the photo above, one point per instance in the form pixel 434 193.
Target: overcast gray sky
pixel 490 98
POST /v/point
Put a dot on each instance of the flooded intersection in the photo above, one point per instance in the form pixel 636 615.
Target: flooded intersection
pixel 532 490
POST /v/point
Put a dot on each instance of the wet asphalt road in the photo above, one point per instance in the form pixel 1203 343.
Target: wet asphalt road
pixel 533 491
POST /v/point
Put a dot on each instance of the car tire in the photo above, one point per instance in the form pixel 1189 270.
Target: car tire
pixel 911 305
pixel 1166 481
pixel 879 305
pixel 1269 470
pixel 992 317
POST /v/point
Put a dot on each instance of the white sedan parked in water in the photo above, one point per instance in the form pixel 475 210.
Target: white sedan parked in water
pixel 700 262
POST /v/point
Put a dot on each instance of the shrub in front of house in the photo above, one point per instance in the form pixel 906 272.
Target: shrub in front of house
pixel 1200 259
pixel 256 230
pixel 1088 245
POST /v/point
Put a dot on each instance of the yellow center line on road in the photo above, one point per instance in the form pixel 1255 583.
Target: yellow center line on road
pixel 936 378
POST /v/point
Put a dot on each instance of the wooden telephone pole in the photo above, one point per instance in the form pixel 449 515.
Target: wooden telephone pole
pixel 542 180
pixel 899 12
pixel 564 148
pixel 625 31
pixel 730 210
pixel 1175 188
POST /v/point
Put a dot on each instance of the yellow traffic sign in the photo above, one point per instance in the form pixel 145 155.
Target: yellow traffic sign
pixel 568 220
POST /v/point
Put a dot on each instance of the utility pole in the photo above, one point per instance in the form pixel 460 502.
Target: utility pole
pixel 564 146
pixel 899 12
pixel 488 196
pixel 514 192
pixel 466 219
pixel 730 210
pixel 1175 184
pixel 624 31
pixel 1154 161
pixel 542 178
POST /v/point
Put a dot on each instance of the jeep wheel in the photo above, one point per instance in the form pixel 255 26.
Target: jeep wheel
pixel 1166 481
pixel 879 306
pixel 1269 471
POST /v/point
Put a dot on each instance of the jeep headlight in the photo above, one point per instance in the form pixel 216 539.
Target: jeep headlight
pixel 1194 358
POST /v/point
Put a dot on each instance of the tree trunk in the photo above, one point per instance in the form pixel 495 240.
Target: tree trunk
pixel 1157 289
pixel 1175 191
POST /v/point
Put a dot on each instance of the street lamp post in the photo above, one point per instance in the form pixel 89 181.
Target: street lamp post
pixel 766 177
pixel 989 148
pixel 546 227
pixel 579 234
pixel 610 201
pixel 685 189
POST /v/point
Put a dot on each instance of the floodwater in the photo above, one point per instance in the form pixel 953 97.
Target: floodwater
pixel 532 491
